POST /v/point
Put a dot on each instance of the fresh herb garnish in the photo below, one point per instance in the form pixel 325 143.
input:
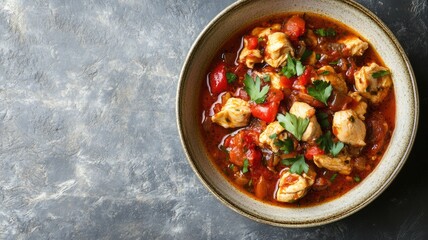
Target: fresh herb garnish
pixel 292 68
pixel 334 62
pixel 336 148
pixel 357 179
pixel 253 89
pixel 322 118
pixel 295 125
pixel 325 32
pixel 231 166
pixel 318 56
pixel 326 143
pixel 306 54
pixel 325 72
pixel 333 177
pixel 231 77
pixel 287 146
pixel 273 136
pixel 380 73
pixel 245 167
pixel 260 39
pixel 298 164
pixel 321 90
pixel 266 78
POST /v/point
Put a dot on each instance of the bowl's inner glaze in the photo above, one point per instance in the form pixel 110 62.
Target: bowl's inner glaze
pixel 242 14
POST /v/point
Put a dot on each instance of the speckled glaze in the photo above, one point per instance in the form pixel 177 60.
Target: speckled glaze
pixel 239 15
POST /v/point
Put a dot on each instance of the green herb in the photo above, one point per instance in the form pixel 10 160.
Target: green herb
pixel 306 54
pixel 273 136
pixel 260 39
pixel 334 62
pixel 298 164
pixel 266 78
pixel 336 148
pixel 325 73
pixel 231 166
pixel 322 118
pixel 321 90
pixel 357 179
pixel 245 167
pixel 295 125
pixel 231 77
pixel 318 56
pixel 325 141
pixel 380 73
pixel 287 146
pixel 333 177
pixel 323 32
pixel 253 89
pixel 292 68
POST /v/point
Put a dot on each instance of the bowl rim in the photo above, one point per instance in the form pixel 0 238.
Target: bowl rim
pixel 185 68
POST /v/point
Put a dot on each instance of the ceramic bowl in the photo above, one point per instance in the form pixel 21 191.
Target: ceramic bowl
pixel 239 15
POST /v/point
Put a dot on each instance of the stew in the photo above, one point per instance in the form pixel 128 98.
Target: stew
pixel 297 109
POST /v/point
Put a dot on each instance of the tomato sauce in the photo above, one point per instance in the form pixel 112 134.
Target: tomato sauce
pixel 253 167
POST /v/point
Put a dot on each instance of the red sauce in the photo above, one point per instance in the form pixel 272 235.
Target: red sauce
pixel 259 177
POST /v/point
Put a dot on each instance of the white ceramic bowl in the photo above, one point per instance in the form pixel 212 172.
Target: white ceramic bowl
pixel 241 14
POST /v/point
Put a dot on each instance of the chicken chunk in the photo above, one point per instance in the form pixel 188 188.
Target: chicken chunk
pixel 292 186
pixel 235 113
pixel 361 107
pixel 277 49
pixel 349 128
pixel 263 32
pixel 275 81
pixel 341 163
pixel 374 89
pixel 354 45
pixel 304 110
pixel 327 73
pixel 274 128
pixel 250 57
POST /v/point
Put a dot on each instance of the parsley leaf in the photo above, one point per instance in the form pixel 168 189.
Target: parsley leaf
pixel 266 78
pixel 357 179
pixel 325 141
pixel 287 146
pixel 322 118
pixel 295 125
pixel 253 89
pixel 380 73
pixel 321 90
pixel 325 32
pixel 318 56
pixel 292 68
pixel 333 177
pixel 325 72
pixel 336 148
pixel 245 167
pixel 298 164
pixel 231 77
pixel 334 62
pixel 273 136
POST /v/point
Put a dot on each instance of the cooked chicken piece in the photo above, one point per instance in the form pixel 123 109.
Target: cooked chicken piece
pixel 265 139
pixel 348 128
pixel 304 110
pixel 292 186
pixel 235 113
pixel 361 108
pixel 275 81
pixel 374 89
pixel 355 45
pixel 263 32
pixel 327 73
pixel 277 49
pixel 341 163
pixel 250 57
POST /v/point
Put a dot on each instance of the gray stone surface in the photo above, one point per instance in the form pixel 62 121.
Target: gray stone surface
pixel 89 148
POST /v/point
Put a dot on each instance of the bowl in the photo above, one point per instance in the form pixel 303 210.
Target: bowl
pixel 239 15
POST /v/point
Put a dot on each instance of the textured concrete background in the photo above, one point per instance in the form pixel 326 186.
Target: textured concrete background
pixel 89 147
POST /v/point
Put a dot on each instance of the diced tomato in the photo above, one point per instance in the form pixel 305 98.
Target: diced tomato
pixel 243 146
pixel 305 78
pixel 252 42
pixel 312 151
pixel 254 157
pixel 295 27
pixel 217 79
pixel 285 82
pixel 274 95
pixel 266 111
pixel 242 94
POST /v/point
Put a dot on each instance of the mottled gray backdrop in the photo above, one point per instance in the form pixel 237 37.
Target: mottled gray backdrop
pixel 89 147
